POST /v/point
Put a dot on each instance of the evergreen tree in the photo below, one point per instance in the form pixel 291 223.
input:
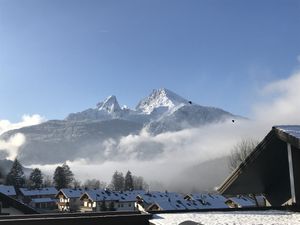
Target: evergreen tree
pixel 2 177
pixel 94 183
pixel 128 181
pixel 36 178
pixel 69 176
pixel 63 177
pixel 117 181
pixel 16 175
pixel 59 178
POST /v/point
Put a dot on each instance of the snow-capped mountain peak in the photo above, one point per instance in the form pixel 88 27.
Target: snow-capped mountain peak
pixel 110 104
pixel 160 98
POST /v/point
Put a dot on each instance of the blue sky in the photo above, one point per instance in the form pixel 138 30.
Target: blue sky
pixel 62 56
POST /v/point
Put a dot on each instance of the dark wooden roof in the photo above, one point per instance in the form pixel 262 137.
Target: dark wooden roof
pixel 265 170
pixel 9 201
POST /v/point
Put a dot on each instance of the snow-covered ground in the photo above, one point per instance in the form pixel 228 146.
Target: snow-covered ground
pixel 229 218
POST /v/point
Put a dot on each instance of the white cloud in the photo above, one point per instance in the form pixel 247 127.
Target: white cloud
pixel 11 146
pixel 175 152
pixel 280 102
pixel 27 120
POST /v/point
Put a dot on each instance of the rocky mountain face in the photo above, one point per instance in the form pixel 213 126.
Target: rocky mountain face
pixel 87 133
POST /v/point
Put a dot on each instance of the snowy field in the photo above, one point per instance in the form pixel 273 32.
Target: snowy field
pixel 229 218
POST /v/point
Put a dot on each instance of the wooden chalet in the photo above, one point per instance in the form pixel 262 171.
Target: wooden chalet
pixel 69 199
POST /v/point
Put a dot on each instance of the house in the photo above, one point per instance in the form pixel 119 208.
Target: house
pixel 208 201
pixel 240 202
pixel 164 201
pixel 44 203
pixel 41 198
pixel 97 200
pixel 272 169
pixel 127 200
pixel 69 199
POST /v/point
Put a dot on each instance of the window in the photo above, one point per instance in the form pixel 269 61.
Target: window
pixel 85 204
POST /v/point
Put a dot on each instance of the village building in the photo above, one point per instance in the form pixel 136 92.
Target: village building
pixel 208 201
pixel 98 200
pixel 40 198
pixel 69 199
pixel 272 169
pixel 165 201
pixel 127 200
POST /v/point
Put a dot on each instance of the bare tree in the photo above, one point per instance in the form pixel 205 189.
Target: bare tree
pixel 76 183
pixel 94 183
pixel 47 182
pixel 240 152
pixel 139 183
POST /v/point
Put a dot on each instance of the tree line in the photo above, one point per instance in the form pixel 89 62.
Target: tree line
pixel 63 177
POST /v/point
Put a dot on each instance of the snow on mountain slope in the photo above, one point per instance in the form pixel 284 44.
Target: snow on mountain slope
pixel 82 134
pixel 110 105
pixel 106 110
pixel 160 99
pixel 188 116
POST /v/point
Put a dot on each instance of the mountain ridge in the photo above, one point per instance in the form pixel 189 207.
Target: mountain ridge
pixel 85 134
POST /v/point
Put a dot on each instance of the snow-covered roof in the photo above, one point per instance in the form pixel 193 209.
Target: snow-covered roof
pixel 7 190
pixel 293 130
pixel 175 201
pixel 39 191
pixel 212 201
pixel 168 205
pixel 268 217
pixel 243 201
pixel 152 197
pixel 169 201
pixel 43 200
pixel 100 195
pixel 72 193
pixel 130 196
